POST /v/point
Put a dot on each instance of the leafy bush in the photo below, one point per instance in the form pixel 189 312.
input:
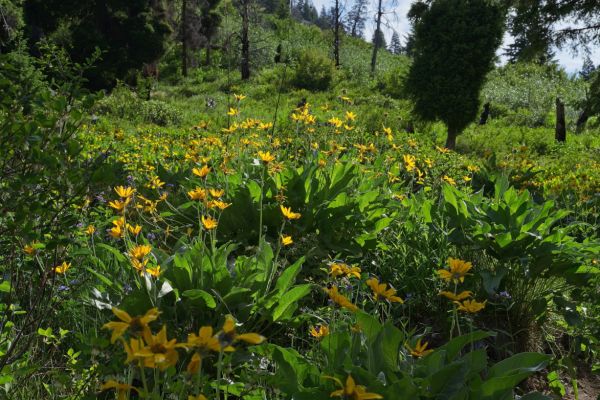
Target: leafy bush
pixel 159 113
pixel 392 81
pixel 125 104
pixel 526 93
pixel 314 71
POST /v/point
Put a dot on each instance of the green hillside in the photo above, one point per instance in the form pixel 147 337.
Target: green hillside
pixel 174 229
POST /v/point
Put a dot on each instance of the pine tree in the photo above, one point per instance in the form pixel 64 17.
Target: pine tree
pixel 455 46
pixel 588 68
pixel 355 20
pixel 129 33
pixel 395 45
pixel 379 39
pixel 532 33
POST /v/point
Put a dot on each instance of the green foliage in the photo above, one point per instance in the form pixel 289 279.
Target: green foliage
pixel 128 34
pixel 392 82
pixel 124 103
pixel 314 71
pixel 12 24
pixel 376 358
pixel 44 180
pixel 454 49
pixel 524 94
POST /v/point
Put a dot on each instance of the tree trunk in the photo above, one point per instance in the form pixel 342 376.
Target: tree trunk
pixel 336 34
pixel 485 114
pixel 377 33
pixel 245 63
pixel 582 120
pixel 561 127
pixel 451 139
pixel 208 52
pixel 184 39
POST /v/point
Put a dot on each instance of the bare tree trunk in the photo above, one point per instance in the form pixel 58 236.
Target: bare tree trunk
pixel 377 33
pixel 208 60
pixel 245 64
pixel 451 139
pixel 184 39
pixel 582 120
pixel 561 126
pixel 485 114
pixel 336 34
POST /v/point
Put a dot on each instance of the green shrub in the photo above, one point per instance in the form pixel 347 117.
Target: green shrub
pixel 392 82
pixel 160 113
pixel 123 103
pixel 314 71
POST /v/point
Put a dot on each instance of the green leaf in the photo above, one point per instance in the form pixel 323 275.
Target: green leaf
pixel 454 346
pixel 289 299
pixel 5 286
pixel 118 255
pixel 288 276
pixel 196 294
pixel 104 279
pixel 522 362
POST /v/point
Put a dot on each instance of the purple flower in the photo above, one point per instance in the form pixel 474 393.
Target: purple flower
pixel 505 295
pixel 63 288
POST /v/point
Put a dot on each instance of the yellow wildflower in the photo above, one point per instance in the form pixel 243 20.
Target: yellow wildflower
pixel 409 162
pixel 197 194
pixel 120 205
pixel 229 336
pixel 457 297
pixel 470 306
pixel 216 192
pixel 124 192
pixel 159 352
pixel 287 212
pixel 62 268
pixel 420 349
pixel 140 251
pixel 122 389
pixel 209 222
pixel 319 331
pixel 340 299
pixel 286 240
pixel 201 172
pixel 90 230
pixel 380 291
pixel 266 157
pixel 351 391
pixel 136 324
pixel 458 270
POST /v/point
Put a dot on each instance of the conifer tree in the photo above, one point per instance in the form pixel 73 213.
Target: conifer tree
pixel 395 45
pixel 454 48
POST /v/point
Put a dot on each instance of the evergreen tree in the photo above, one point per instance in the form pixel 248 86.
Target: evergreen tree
pixel 324 21
pixel 416 11
pixel 355 20
pixel 454 48
pixel 588 68
pixel 11 23
pixel 531 30
pixel 129 33
pixel 395 45
pixel 379 39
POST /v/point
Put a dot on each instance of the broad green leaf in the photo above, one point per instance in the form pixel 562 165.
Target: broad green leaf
pixel 288 276
pixel 196 294
pixel 290 299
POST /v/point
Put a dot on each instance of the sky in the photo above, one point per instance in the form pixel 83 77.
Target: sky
pixel 397 21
